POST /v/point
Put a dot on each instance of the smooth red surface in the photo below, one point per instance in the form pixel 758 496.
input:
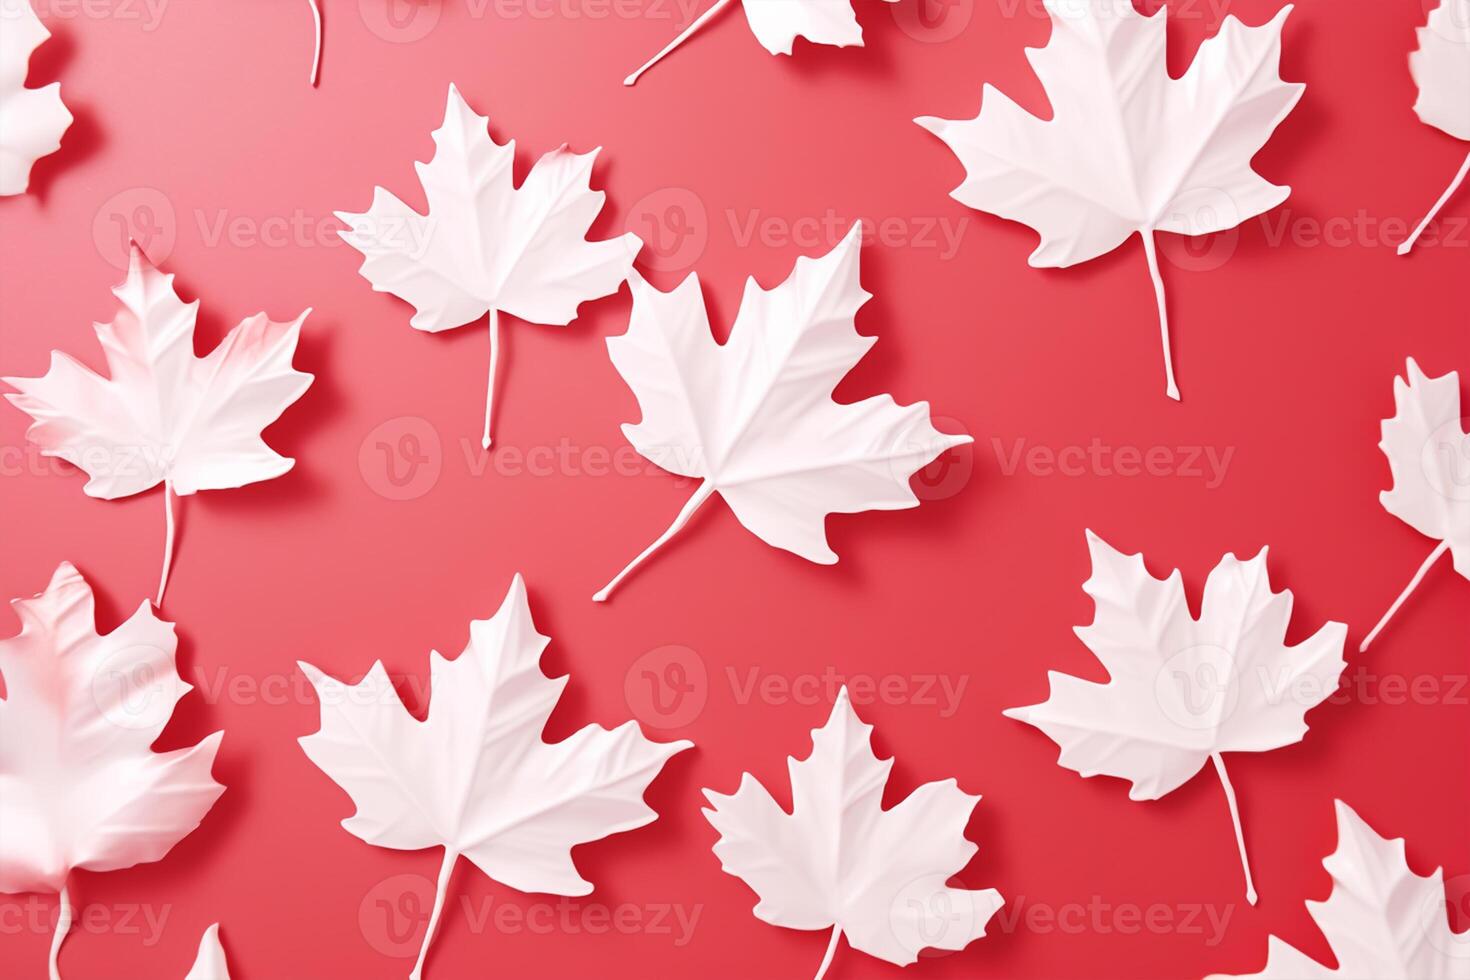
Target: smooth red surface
pixel 1286 348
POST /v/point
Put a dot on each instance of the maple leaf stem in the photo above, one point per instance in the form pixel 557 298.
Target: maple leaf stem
pixel 1245 864
pixel 831 951
pixel 690 506
pixel 699 22
pixel 490 379
pixel 1151 250
pixel 168 539
pixel 316 58
pixel 1413 584
pixel 1443 200
pixel 446 870
pixel 63 926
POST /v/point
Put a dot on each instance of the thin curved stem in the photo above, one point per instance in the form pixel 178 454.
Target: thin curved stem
pixel 831 951
pixel 316 58
pixel 446 870
pixel 1245 864
pixel 699 22
pixel 490 380
pixel 690 506
pixel 168 539
pixel 1413 584
pixel 63 926
pixel 1151 250
pixel 1443 200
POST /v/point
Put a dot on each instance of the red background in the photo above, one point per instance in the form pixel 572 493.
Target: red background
pixel 1286 349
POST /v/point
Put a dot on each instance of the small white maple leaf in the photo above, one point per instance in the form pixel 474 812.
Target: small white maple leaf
pixel 777 24
pixel 1441 69
pixel 32 120
pixel 838 860
pixel 1429 456
pixel 486 246
pixel 475 776
pixel 1382 920
pixel 1128 149
pixel 754 417
pixel 164 415
pixel 210 963
pixel 1182 690
pixel 80 787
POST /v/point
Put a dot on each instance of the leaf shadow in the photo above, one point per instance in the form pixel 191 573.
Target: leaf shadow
pixel 84 138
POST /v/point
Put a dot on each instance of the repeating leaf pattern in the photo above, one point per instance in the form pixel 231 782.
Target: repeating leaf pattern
pixel 838 860
pixel 1182 690
pixel 754 418
pixel 777 25
pixel 485 245
pixel 1428 454
pixel 1128 149
pixel 475 776
pixel 163 415
pixel 1441 70
pixel 1382 920
pixel 80 787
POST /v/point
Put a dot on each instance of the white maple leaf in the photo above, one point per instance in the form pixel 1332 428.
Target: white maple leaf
pixel 1429 456
pixel 32 120
pixel 840 861
pixel 777 24
pixel 1128 149
pixel 1383 921
pixel 1441 69
pixel 754 417
pixel 80 787
pixel 486 246
pixel 210 963
pixel 1182 690
pixel 475 776
pixel 163 415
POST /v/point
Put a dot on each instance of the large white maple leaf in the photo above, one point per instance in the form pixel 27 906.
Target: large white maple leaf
pixel 32 120
pixel 486 246
pixel 80 787
pixel 1382 920
pixel 163 415
pixel 475 776
pixel 754 417
pixel 1441 69
pixel 1128 149
pixel 1429 456
pixel 1182 690
pixel 777 24
pixel 840 861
